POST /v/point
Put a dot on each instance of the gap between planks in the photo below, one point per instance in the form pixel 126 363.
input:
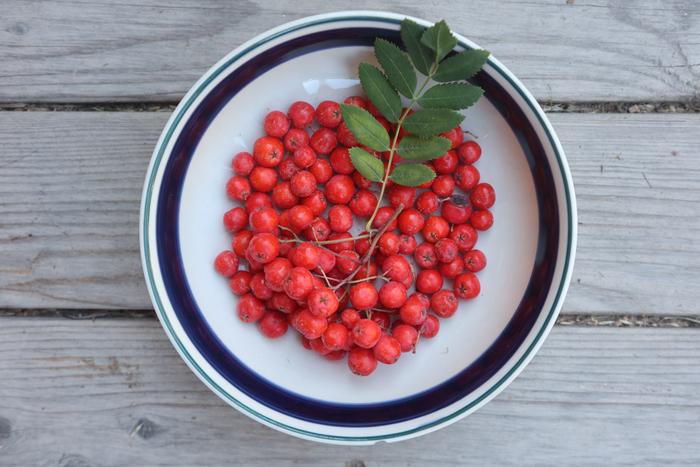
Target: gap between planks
pixel 576 319
pixel 687 106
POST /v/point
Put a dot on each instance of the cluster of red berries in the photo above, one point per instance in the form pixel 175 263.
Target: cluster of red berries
pixel 298 197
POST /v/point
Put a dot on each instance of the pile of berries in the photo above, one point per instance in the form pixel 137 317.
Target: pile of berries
pixel 298 196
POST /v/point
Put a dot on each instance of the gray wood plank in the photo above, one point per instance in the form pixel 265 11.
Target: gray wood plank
pixel 69 51
pixel 70 185
pixel 114 392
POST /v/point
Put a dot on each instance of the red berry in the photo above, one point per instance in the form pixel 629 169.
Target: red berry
pixel 322 302
pixel 226 263
pixel 361 361
pixel 276 124
pixel 397 268
pixel 430 327
pixel 328 114
pixel 466 177
pixel 388 243
pixel 301 113
pixel 356 100
pixel 264 220
pixel 363 203
pixel 475 260
pixel 335 355
pixel 263 179
pixel 435 229
pixel 287 169
pixel 304 157
pixel 407 244
pixel 310 325
pixel 316 201
pixel 382 318
pixel 455 213
pixel 324 140
pixel 321 170
pixel 341 162
pixel 306 255
pixel 443 185
pixel 446 250
pixel 428 281
pixel 360 181
pixel 303 183
pixel 250 309
pixel 235 219
pixel 273 324
pixel 340 218
pixel 281 302
pixel 326 261
pixel 319 229
pixel 392 294
pixel 406 335
pixel 363 296
pixel 263 247
pixel 345 136
pixel 411 221
pixel 282 196
pixel 469 152
pixel 238 188
pixel 339 189
pixel 383 215
pixel 399 194
pixel 268 151
pixel 240 241
pixel 482 196
pixel 298 283
pixel 455 135
pixel 336 337
pixel 481 219
pixel 425 255
pixel 467 285
pixel 366 333
pixel 240 282
pixel 300 217
pixel 414 310
pixel 257 200
pixel 259 288
pixel 242 163
pixel 349 317
pixel 387 350
pixel 427 202
pixel 446 164
pixel 465 236
pixel 453 268
pixel 347 261
pixel 443 303
pixel 295 138
pixel 338 246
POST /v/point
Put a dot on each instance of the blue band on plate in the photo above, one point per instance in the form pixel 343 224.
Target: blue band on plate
pixel 295 405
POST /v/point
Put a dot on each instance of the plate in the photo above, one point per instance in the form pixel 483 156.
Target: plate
pixel 481 349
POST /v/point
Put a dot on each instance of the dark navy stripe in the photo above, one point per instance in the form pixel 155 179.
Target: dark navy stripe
pixel 295 405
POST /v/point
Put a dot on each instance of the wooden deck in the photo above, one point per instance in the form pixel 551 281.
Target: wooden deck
pixel 98 79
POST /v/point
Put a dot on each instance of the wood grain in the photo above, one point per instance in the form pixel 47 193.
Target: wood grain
pixel 72 51
pixel 114 392
pixel 70 185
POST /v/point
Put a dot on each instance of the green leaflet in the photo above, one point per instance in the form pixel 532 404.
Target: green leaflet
pixel 380 92
pixel 368 165
pixel 461 66
pixel 397 67
pixel 412 174
pixel 451 96
pixel 421 56
pixel 413 148
pixel 365 127
pixel 439 38
pixel 428 122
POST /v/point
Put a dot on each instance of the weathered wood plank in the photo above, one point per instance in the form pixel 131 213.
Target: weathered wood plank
pixel 69 51
pixel 70 185
pixel 114 392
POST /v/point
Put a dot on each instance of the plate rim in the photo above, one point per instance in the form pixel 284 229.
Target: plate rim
pixel 147 195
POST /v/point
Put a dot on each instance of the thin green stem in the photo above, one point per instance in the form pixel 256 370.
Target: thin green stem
pixel 392 148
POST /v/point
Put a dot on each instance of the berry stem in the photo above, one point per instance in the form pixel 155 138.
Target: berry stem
pixel 395 139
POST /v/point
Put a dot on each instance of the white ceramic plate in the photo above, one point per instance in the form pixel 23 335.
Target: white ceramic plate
pixel 530 248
